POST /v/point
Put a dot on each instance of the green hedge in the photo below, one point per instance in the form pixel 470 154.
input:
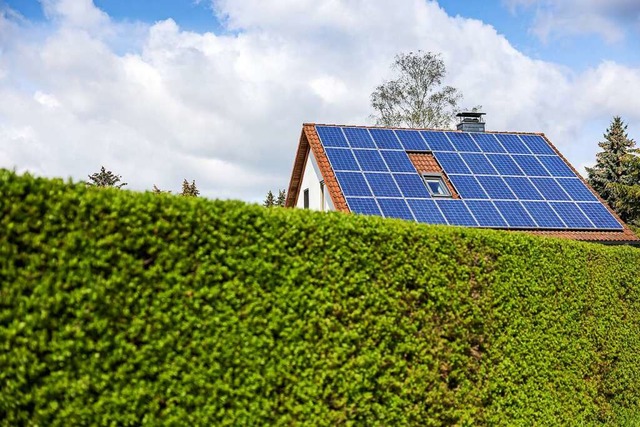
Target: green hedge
pixel 120 308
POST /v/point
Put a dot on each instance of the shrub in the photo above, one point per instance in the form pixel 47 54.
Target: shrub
pixel 125 308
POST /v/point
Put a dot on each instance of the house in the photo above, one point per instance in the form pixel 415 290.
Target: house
pixel 467 177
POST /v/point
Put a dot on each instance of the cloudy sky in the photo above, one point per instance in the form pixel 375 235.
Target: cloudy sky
pixel 217 90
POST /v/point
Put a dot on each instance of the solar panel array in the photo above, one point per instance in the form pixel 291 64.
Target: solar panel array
pixel 512 181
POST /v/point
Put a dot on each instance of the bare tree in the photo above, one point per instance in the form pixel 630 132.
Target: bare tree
pixel 416 97
pixel 105 178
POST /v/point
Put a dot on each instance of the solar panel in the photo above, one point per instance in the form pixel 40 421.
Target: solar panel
pixel 537 144
pixel 342 160
pixel 452 163
pixel 530 165
pixel 495 187
pixel 462 142
pixel 382 185
pixel 550 189
pixel 359 138
pixel 467 187
pixel 515 214
pixel 488 143
pixel 571 215
pixel 600 216
pixel 504 164
pixel 512 144
pixel 353 184
pixel 370 160
pixel 398 161
pixel 556 166
pixel 437 141
pixel 332 136
pixel 363 205
pixel 385 139
pixel 486 213
pixel 502 180
pixel 478 163
pixel 411 140
pixel 426 211
pixel 543 214
pixel 411 185
pixel 456 212
pixel 523 188
pixel 395 208
pixel 576 189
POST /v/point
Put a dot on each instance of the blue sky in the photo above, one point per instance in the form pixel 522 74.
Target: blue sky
pixel 217 90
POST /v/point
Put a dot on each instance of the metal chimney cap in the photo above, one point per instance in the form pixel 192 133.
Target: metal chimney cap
pixel 470 114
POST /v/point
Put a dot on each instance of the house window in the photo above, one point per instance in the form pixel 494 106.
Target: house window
pixel 322 195
pixel 436 186
pixel 306 198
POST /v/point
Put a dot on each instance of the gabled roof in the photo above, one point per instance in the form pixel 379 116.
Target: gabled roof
pixel 506 180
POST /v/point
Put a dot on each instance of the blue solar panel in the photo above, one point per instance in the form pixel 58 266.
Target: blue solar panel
pixel 504 164
pixel 486 213
pixel 398 161
pixel 600 216
pixel 537 144
pixel 576 189
pixel 452 163
pixel 359 138
pixel 370 160
pixel 479 164
pixel 556 166
pixel 411 185
pixel 353 184
pixel 437 141
pixel 411 140
pixel 522 188
pixel 395 208
pixel 462 142
pixel 515 214
pixel 382 185
pixel 342 160
pixel 426 211
pixel 495 187
pixel 543 215
pixel 512 143
pixel 331 136
pixel 364 205
pixel 530 165
pixel 488 143
pixel 571 214
pixel 468 187
pixel 550 189
pixel 456 212
pixel 385 138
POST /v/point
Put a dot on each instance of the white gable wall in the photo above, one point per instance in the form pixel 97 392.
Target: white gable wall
pixel 311 181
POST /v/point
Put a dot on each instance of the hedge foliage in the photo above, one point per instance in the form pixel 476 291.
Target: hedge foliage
pixel 121 308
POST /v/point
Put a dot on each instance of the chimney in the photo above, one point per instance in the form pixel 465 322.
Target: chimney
pixel 470 121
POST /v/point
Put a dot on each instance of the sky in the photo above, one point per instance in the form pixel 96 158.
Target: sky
pixel 217 91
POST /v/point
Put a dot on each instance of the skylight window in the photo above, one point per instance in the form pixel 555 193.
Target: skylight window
pixel 436 186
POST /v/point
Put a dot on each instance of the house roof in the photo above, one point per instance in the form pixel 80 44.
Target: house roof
pixel 505 180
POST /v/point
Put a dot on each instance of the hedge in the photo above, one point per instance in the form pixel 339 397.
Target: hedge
pixel 124 308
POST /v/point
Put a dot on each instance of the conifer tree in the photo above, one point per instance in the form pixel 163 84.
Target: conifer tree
pixel 189 190
pixel 612 163
pixel 282 198
pixel 270 200
pixel 616 174
pixel 105 178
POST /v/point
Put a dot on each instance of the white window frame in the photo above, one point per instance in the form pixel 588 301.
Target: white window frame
pixel 436 177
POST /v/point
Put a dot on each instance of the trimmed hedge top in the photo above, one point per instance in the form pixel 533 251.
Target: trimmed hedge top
pixel 121 308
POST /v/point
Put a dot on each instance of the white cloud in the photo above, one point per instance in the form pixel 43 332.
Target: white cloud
pixel 226 109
